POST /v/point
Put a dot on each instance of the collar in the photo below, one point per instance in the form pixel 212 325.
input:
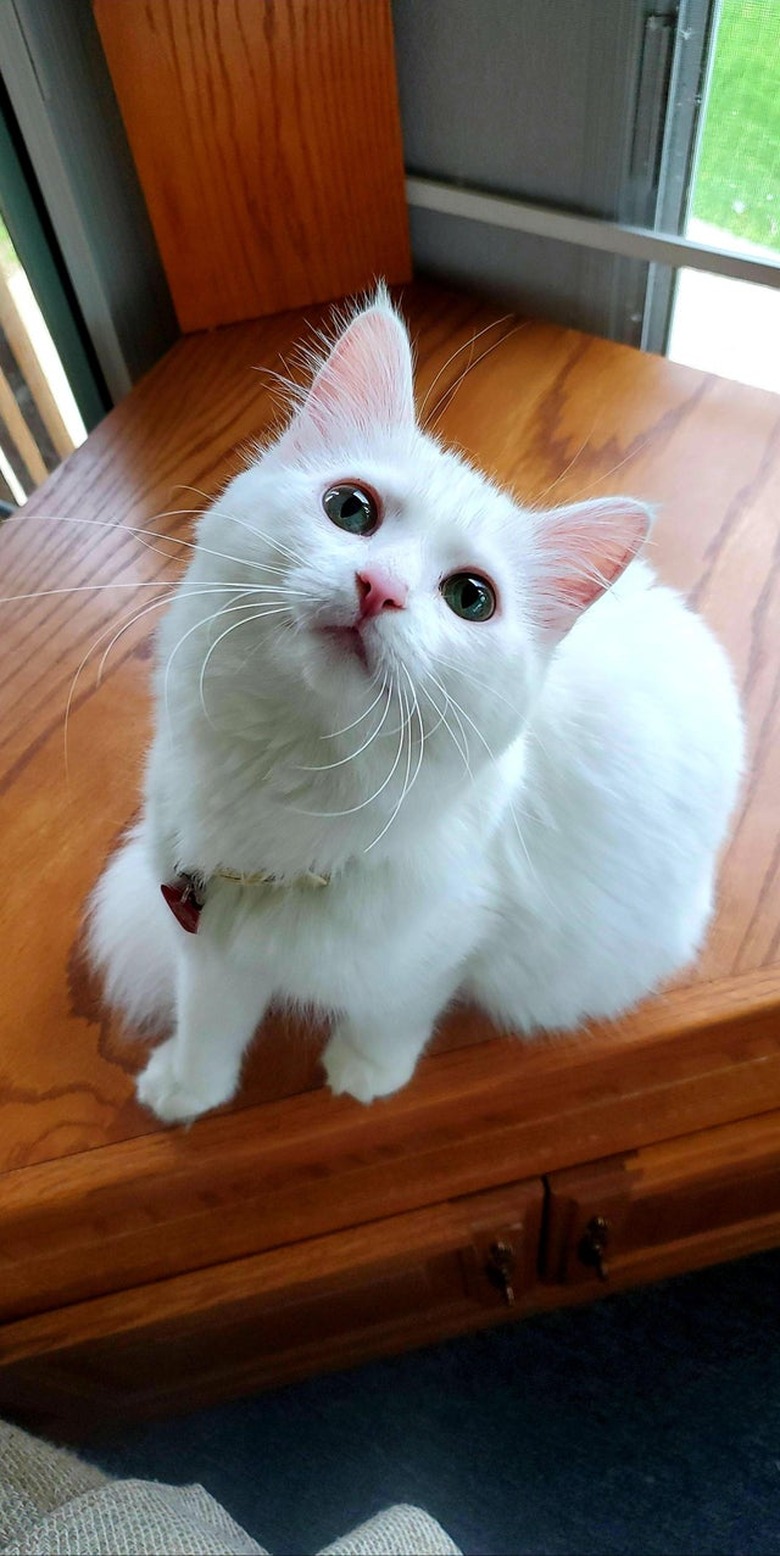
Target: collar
pixel 186 893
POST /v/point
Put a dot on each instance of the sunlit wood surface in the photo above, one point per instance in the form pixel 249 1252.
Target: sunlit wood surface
pixel 94 1195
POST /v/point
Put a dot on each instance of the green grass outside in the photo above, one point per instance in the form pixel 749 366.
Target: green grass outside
pixel 737 183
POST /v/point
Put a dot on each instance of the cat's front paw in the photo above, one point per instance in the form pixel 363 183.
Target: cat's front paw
pixel 362 1077
pixel 174 1098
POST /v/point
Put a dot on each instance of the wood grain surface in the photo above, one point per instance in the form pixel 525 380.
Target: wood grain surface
pixel 268 145
pixel 331 1301
pixel 94 1196
pixel 672 1206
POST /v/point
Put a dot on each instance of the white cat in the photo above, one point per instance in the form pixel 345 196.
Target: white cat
pixel 472 761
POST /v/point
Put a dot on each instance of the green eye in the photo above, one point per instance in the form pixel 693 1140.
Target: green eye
pixel 352 508
pixel 469 596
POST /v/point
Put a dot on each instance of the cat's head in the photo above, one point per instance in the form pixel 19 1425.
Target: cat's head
pixel 399 571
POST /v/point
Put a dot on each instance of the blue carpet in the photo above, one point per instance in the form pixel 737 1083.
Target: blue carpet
pixel 648 1422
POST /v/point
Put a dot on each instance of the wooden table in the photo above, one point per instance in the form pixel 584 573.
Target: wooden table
pixel 144 1269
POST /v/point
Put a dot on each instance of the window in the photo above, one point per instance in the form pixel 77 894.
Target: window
pixel 728 326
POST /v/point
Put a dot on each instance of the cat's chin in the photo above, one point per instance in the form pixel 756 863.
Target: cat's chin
pixel 345 644
pixel 334 660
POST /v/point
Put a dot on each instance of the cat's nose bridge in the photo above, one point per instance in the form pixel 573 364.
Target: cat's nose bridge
pixel 378 591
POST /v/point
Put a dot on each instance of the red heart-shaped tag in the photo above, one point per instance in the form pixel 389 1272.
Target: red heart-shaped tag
pixel 183 903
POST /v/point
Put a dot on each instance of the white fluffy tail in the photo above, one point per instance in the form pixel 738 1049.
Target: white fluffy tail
pixel 130 936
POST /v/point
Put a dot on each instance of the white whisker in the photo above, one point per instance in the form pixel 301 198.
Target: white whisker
pixel 164 599
pixel 212 616
pixel 464 346
pixel 421 725
pixel 475 680
pixel 275 608
pixel 445 721
pixel 536 501
pixel 138 531
pixel 406 728
pixel 152 583
pixel 293 556
pixel 408 782
pixel 449 394
pixel 220 589
pixel 325 767
pixel 347 727
pixel 363 803
pixel 41 594
pixel 457 710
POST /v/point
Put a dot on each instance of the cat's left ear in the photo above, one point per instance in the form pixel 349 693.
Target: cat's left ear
pixel 582 551
pixel 365 384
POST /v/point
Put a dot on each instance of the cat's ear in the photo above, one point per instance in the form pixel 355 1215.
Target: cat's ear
pixel 582 551
pixel 365 383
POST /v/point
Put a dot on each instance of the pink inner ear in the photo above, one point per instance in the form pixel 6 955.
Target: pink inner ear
pixel 366 381
pixel 585 548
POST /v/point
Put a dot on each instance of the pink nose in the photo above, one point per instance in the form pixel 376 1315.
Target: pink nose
pixel 377 591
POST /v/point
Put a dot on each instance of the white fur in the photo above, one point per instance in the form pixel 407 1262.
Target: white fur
pixel 548 850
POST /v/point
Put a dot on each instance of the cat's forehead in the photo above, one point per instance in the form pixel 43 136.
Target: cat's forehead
pixel 424 483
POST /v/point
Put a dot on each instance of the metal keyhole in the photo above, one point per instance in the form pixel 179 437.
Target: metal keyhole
pixel 593 1245
pixel 501 1264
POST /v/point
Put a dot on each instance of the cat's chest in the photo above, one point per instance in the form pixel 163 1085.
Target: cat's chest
pixel 321 945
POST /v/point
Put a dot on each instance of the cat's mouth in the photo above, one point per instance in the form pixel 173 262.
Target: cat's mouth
pixel 348 641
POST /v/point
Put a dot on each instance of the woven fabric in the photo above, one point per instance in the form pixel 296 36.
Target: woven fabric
pixel 36 1478
pixel 401 1531
pixel 52 1504
pixel 136 1518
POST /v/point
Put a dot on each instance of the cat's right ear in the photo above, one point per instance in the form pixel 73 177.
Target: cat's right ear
pixel 364 386
pixel 582 549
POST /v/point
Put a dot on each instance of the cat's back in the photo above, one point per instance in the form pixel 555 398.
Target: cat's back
pixel 639 727
pixel 634 755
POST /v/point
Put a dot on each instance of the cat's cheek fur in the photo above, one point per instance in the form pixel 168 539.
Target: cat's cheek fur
pixel 526 812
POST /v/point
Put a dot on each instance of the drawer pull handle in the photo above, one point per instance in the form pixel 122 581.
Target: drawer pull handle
pixel 593 1246
pixel 500 1267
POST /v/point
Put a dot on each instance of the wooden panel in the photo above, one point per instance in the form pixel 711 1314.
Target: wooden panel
pixel 672 1206
pixel 474 1117
pixel 269 1319
pixel 267 140
pixel 93 1194
pixel 16 331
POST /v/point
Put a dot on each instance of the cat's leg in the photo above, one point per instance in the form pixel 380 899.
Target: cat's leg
pixel 218 1007
pixel 374 1052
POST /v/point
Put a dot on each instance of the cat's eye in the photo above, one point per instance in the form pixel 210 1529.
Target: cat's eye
pixel 469 595
pixel 352 508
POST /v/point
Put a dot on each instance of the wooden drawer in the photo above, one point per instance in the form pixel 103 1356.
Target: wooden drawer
pixel 665 1208
pixel 277 1316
